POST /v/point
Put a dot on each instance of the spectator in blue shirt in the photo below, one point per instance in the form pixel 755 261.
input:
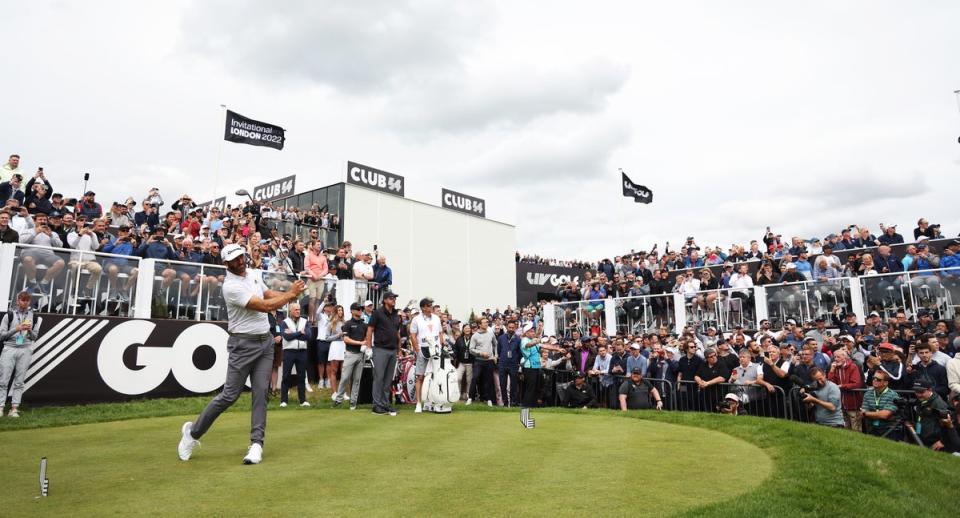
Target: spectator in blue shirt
pixel 156 246
pixel 693 260
pixel 508 365
pixel 123 244
pixel 382 274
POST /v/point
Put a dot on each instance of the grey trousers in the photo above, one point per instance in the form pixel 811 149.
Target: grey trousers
pixel 350 373
pixel 384 366
pixel 248 357
pixel 14 361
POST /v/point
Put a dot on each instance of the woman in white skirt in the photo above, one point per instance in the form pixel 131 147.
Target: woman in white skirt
pixel 337 348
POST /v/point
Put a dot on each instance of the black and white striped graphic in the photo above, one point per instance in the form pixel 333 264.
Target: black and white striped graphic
pixel 57 344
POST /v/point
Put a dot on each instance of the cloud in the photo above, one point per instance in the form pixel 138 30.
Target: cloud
pixel 544 154
pixel 509 96
pixel 354 47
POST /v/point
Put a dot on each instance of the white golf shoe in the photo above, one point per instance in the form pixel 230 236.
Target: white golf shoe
pixel 187 442
pixel 419 409
pixel 254 454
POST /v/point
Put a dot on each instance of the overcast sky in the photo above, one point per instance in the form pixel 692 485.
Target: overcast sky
pixel 737 115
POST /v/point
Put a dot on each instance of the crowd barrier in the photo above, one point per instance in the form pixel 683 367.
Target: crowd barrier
pixel 72 282
pixel 937 291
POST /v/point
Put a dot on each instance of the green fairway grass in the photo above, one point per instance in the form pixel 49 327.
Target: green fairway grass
pixel 353 463
pixel 322 461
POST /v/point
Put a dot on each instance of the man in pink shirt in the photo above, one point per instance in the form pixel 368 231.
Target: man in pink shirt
pixel 315 265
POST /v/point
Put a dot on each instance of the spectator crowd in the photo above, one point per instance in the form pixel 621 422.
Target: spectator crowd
pixel 284 241
pixel 831 370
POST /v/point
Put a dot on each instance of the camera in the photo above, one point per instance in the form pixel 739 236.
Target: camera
pixel 926 410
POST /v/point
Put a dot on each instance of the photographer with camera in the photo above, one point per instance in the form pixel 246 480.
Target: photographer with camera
pixel 880 408
pixel 730 405
pixel 823 396
pixel 934 423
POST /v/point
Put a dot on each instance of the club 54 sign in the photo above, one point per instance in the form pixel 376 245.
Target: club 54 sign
pixel 463 203
pixel 371 178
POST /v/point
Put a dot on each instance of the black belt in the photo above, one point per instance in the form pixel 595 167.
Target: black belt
pixel 248 336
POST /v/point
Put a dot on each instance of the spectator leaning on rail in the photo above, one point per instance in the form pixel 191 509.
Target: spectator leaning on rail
pixel 579 393
pixel 879 408
pixel 17 335
pixel 845 374
pixel 382 274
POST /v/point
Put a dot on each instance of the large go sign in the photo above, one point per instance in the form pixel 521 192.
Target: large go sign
pixel 158 362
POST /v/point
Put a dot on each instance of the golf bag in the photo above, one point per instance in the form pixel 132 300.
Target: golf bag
pixel 441 386
pixel 404 381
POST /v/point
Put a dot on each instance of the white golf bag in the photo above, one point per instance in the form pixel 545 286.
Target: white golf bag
pixel 441 388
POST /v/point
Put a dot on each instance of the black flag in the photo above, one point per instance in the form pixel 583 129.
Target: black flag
pixel 248 131
pixel 639 193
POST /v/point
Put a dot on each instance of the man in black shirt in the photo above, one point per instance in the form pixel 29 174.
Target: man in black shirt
pixel 383 333
pixel 354 336
pixel 580 394
pixel 636 393
pixel 343 265
pixel 776 373
pixel 710 377
pixel 687 368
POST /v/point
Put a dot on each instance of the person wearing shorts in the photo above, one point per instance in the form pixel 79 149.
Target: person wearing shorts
pixel 41 235
pixel 425 330
pixel 335 353
pixel 316 268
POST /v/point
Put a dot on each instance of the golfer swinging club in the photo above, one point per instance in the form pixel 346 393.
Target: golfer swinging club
pixel 251 352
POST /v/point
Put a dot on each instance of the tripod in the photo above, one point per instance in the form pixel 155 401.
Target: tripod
pixel 910 435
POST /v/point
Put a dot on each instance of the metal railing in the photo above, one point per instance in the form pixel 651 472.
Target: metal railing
pixel 71 281
pixel 806 300
pixel 935 290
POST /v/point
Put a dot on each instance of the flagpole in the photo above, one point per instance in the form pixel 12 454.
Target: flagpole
pixel 623 219
pixel 216 171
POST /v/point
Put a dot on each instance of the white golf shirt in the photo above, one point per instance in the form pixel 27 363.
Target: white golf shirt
pixel 238 291
pixel 426 328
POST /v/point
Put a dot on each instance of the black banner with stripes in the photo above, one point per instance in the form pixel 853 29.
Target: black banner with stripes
pixel 83 359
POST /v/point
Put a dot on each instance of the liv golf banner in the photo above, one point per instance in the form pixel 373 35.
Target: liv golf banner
pixel 639 193
pixel 242 130
pixel 463 203
pixel 366 176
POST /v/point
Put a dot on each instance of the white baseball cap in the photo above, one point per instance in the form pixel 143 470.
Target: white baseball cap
pixel 231 252
pixel 368 303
